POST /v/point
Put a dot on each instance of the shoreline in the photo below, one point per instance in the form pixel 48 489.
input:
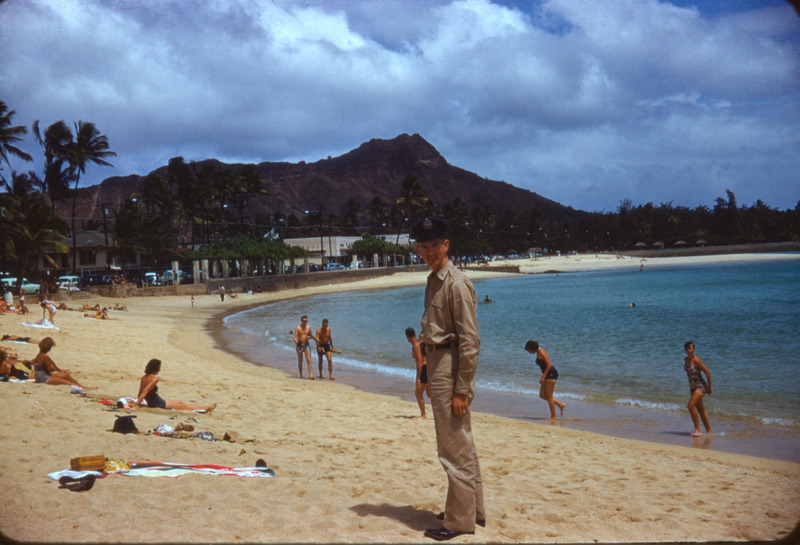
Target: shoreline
pixel 731 435
pixel 351 466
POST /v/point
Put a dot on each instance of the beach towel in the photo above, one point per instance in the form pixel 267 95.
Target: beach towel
pixel 168 469
pixel 44 323
pixel 171 470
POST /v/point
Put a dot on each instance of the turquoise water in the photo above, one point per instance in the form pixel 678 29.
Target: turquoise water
pixel 743 317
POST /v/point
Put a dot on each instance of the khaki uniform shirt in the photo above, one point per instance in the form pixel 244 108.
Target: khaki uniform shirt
pixel 450 316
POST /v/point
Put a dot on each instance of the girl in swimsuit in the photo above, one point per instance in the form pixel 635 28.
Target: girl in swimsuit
pixel 148 391
pixel 548 378
pixel 698 387
pixel 46 371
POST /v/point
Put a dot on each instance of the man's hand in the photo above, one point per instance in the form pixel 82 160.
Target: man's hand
pixel 460 405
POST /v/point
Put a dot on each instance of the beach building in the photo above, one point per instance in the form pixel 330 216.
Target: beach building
pixel 93 255
pixel 334 248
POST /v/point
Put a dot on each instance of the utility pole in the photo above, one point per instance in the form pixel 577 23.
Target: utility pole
pixel 105 232
pixel 321 247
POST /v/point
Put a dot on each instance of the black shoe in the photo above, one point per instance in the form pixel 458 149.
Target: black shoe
pixel 479 522
pixel 443 534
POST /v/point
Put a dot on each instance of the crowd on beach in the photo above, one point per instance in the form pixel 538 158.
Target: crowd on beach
pixel 445 371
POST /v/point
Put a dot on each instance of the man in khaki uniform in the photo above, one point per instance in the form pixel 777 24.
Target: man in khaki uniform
pixel 451 345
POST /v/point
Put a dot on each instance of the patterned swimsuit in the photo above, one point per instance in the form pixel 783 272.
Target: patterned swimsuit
pixel 696 381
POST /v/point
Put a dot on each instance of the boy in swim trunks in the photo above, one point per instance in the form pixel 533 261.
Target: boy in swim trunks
pixel 301 335
pixel 421 385
pixel 324 347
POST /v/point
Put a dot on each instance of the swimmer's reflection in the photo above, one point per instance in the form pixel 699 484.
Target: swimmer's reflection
pixel 703 441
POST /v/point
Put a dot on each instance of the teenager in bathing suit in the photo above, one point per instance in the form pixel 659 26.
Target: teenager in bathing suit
pixel 324 346
pixel 698 388
pixel 148 391
pixel 421 384
pixel 548 378
pixel 301 335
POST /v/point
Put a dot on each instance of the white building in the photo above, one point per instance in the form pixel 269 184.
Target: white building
pixel 334 248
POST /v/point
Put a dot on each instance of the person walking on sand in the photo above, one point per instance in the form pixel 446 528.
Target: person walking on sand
pixel 548 379
pixel 449 331
pixel 148 391
pixel 698 388
pixel 301 335
pixel 222 293
pixel 324 348
pixel 192 301
pixel 422 371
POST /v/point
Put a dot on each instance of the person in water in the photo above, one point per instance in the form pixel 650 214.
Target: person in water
pixel 698 388
pixel 548 378
pixel 421 384
pixel 148 391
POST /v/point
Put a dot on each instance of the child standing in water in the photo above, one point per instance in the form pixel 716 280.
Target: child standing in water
pixel 698 387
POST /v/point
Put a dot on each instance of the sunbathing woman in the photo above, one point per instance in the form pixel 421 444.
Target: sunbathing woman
pixel 19 339
pixel 46 370
pixel 7 366
pixel 148 391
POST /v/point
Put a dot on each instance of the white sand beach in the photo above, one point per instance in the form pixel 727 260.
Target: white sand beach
pixel 351 466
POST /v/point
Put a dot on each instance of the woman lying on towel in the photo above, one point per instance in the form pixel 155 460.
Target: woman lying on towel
pixel 7 367
pixel 46 371
pixel 18 339
pixel 148 391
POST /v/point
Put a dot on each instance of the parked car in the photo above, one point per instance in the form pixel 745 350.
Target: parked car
pixel 95 280
pixel 152 279
pixel 28 288
pixel 182 277
pixel 333 266
pixel 69 282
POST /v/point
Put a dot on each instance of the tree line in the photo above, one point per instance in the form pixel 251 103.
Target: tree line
pixel 203 205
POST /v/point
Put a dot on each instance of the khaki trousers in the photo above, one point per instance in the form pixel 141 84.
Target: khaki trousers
pixel 456 449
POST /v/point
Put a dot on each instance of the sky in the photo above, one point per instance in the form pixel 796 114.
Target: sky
pixel 585 102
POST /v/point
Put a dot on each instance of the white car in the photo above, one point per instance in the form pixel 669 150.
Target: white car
pixel 69 282
pixel 10 284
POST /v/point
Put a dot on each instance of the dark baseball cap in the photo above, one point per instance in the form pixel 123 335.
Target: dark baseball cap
pixel 430 228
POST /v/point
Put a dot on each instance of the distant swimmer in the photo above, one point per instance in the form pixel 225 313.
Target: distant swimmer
pixel 631 305
pixel 324 348
pixel 698 387
pixel 487 300
pixel 302 334
pixel 421 384
pixel 548 378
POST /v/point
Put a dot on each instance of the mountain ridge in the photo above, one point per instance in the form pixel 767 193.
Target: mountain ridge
pixel 368 171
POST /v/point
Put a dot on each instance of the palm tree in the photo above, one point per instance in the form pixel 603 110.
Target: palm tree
pixel 376 213
pixel 89 146
pixel 350 213
pixel 34 228
pixel 9 135
pixel 57 175
pixel 410 197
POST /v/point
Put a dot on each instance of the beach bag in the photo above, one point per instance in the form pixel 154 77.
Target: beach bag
pixel 125 424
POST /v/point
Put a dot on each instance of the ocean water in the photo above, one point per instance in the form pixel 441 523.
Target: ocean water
pixel 743 317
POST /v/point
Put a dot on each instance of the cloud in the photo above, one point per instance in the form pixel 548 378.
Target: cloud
pixel 586 103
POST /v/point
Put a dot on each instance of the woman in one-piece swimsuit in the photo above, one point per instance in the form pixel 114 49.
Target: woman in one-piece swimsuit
pixel 698 388
pixel 548 378
pixel 148 391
